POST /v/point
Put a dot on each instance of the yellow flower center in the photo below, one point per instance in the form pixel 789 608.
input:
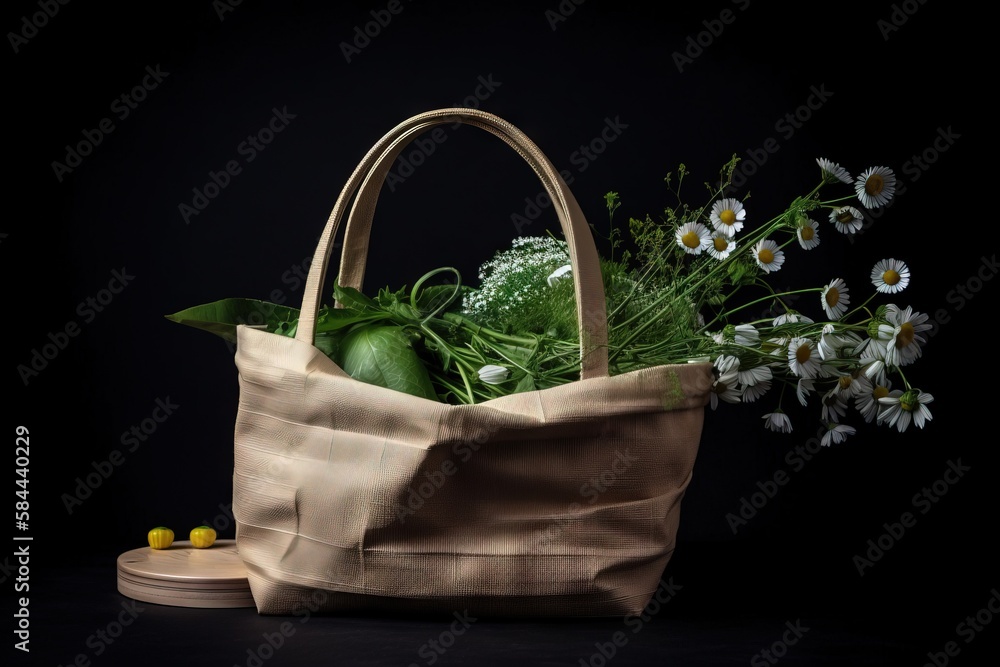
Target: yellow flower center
pixel 844 216
pixel 720 243
pixel 875 184
pixel 765 256
pixel 807 233
pixel 690 239
pixel 845 381
pixel 880 392
pixel 906 405
pixel 905 335
pixel 728 216
pixel 803 354
pixel 890 277
pixel 832 296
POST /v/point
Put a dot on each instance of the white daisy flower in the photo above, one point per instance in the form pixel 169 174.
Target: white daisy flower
pixel 778 422
pixel 808 234
pixel 767 255
pixel 841 345
pixel 726 369
pixel 803 357
pixel 562 273
pixel 867 400
pixel 875 186
pixel 906 339
pixel 722 246
pixel 725 363
pixel 902 407
pixel 836 434
pixel 693 237
pixel 850 385
pixel 491 374
pixel 804 387
pixel 890 276
pixel 847 219
pixel 791 317
pixel 835 299
pixel 833 172
pixel 751 393
pixel 727 216
pixel 834 406
pixel 750 376
pixel 743 334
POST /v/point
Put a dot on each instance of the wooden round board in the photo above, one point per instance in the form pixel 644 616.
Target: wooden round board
pixel 183 576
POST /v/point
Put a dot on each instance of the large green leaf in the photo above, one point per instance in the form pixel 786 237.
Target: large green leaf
pixel 383 356
pixel 222 317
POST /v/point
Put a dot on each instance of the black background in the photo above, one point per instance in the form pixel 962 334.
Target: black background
pixel 892 90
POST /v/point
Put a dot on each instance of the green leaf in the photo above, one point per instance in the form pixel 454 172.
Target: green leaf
pixel 383 356
pixel 335 319
pixel 222 317
pixel 437 298
pixel 352 298
pixel 527 383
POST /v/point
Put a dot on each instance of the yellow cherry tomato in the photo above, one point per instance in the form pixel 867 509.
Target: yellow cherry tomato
pixel 160 537
pixel 202 537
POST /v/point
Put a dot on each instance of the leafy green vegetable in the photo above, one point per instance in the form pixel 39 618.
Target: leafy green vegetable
pixel 222 317
pixel 383 356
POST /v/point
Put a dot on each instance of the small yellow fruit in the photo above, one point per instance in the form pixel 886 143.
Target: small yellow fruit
pixel 160 537
pixel 202 537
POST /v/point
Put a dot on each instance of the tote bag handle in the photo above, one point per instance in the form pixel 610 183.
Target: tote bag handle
pixel 367 181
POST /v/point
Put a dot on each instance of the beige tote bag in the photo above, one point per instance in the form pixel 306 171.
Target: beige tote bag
pixel 557 502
